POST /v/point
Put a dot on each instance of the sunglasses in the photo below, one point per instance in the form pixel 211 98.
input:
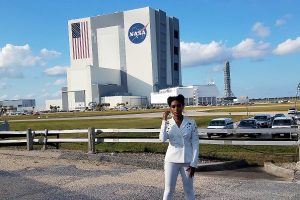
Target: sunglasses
pixel 178 106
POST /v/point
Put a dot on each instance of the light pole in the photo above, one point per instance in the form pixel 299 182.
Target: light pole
pixel 298 88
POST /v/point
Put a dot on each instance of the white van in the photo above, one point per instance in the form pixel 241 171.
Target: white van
pixel 283 122
pixel 220 123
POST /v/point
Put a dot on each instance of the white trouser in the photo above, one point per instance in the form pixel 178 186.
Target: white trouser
pixel 171 173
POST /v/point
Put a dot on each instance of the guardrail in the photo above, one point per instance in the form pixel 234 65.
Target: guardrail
pixel 91 138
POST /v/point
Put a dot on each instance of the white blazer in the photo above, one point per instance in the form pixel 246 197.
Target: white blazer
pixel 183 141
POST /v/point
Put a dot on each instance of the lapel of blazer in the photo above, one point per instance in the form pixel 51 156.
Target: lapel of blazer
pixel 183 124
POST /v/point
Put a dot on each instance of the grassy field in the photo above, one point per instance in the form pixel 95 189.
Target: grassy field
pixel 77 114
pixel 252 108
pixel 252 154
pixel 229 109
pixel 105 123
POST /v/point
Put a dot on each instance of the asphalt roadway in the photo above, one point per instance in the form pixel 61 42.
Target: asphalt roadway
pixel 44 175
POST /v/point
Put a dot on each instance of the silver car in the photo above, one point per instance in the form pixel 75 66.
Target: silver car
pixel 297 117
pixel 220 123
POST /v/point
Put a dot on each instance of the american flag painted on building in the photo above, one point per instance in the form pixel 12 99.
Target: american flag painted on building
pixel 80 40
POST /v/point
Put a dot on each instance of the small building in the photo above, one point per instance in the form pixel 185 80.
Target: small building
pixel 241 100
pixel 127 101
pixel 18 105
pixel 194 95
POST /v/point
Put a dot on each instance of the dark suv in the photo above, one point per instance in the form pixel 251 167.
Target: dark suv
pixel 264 120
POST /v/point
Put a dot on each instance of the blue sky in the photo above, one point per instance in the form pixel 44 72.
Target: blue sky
pixel 261 39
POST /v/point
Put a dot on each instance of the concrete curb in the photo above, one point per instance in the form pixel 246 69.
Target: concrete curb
pixel 275 170
pixel 220 166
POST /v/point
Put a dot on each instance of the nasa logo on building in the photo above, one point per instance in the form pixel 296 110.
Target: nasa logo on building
pixel 137 33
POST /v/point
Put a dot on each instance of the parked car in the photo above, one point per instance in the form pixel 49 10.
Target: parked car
pixel 264 120
pixel 283 122
pixel 297 116
pixel 121 108
pixel 247 124
pixel 292 111
pixel 277 115
pixel 220 123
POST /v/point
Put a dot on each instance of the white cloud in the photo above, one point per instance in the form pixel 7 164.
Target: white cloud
pixel 3 86
pixel 56 70
pixel 12 56
pixel 3 97
pixel 248 48
pixel 195 53
pixel 56 94
pixel 11 73
pixel 287 47
pixel 49 53
pixel 30 96
pixel 16 96
pixel 47 95
pixel 60 82
pixel 218 68
pixel 48 84
pixel 260 30
pixel 282 21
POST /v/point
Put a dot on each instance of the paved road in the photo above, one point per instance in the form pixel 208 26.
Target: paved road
pixel 146 115
pixel 45 176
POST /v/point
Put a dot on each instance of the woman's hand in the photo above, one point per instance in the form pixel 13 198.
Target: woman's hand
pixel 191 170
pixel 165 115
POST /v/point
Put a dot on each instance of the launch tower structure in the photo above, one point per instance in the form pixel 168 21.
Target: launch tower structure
pixel 228 94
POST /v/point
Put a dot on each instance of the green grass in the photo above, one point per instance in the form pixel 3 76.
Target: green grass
pixel 252 108
pixel 252 154
pixel 202 121
pixel 77 114
pixel 84 124
pixel 228 109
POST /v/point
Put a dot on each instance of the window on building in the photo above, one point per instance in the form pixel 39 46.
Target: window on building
pixel 176 67
pixel 176 34
pixel 176 50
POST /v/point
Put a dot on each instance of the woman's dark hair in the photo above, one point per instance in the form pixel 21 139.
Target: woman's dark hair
pixel 179 98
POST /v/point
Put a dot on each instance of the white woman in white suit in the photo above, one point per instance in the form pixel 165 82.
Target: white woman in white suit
pixel 183 150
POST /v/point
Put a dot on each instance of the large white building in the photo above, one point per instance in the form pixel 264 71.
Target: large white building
pixel 194 95
pixel 134 52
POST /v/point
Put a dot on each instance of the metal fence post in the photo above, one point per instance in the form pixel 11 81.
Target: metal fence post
pixel 29 137
pixel 57 144
pixel 91 140
pixel 299 143
pixel 298 151
pixel 45 140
